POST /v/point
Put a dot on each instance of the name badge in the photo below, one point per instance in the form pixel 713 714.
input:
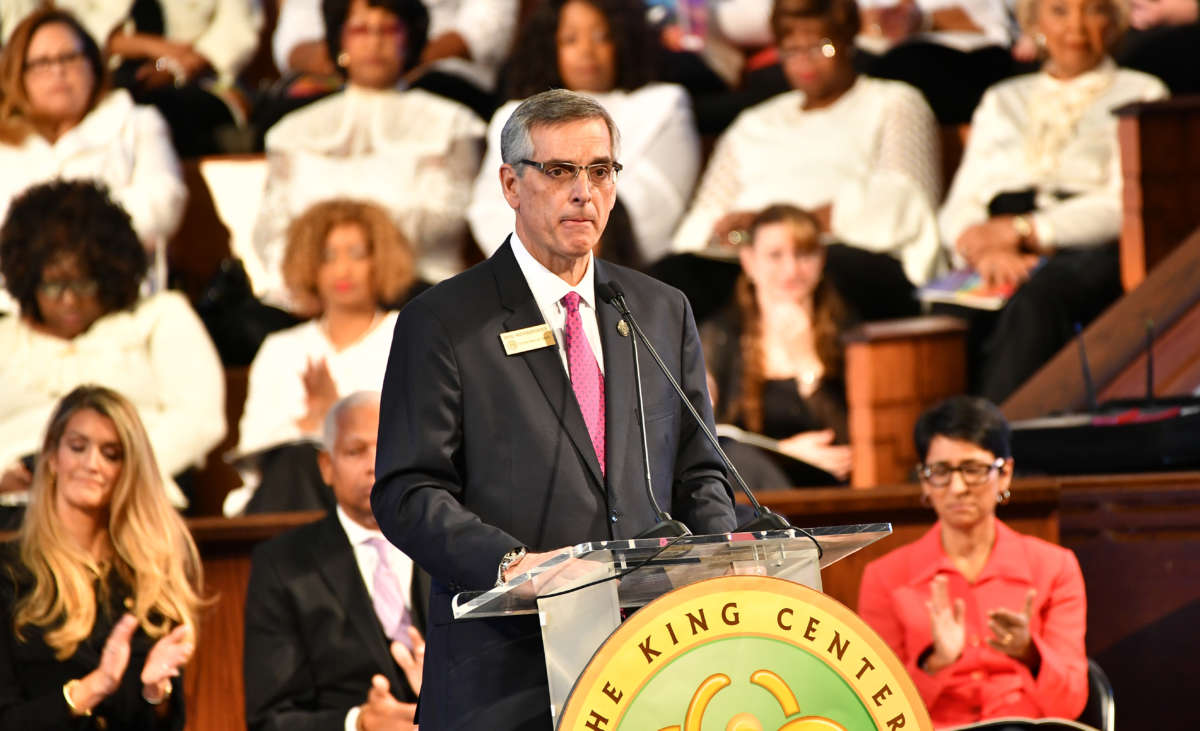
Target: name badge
pixel 527 338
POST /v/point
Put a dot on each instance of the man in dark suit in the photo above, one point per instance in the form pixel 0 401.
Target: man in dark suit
pixel 325 649
pixel 508 426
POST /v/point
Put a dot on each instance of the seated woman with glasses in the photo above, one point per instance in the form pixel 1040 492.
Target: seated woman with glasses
pixel 60 119
pixel 989 622
pixel 603 49
pixel 861 153
pixel 409 151
pixel 71 259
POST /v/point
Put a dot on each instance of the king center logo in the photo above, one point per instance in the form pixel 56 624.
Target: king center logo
pixel 744 653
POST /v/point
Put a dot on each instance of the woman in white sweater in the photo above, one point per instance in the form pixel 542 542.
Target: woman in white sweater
pixel 345 263
pixel 1036 202
pixel 59 119
pixel 72 261
pixel 601 48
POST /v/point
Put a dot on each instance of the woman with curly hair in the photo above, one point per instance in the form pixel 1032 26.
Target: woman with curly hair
pixel 345 263
pixel 776 357
pixel 604 49
pixel 72 261
pixel 100 594
pixel 59 118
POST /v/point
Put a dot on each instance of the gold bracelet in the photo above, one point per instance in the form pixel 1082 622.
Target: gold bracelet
pixel 69 686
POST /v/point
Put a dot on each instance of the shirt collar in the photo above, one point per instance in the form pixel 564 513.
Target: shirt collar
pixel 357 534
pixel 548 288
pixel 1006 559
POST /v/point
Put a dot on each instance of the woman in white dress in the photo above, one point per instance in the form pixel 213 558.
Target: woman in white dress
pixel 602 48
pixel 345 262
pixel 410 151
pixel 1036 202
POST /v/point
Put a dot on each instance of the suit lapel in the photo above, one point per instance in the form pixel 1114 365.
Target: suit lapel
pixel 545 363
pixel 620 399
pixel 334 557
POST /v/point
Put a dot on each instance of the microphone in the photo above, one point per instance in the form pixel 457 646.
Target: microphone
pixel 666 527
pixel 764 519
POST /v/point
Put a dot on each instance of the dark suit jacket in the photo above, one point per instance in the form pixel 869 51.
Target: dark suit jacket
pixel 480 452
pixel 313 640
pixel 32 678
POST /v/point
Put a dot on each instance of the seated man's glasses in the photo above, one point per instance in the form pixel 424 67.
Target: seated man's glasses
pixel 599 174
pixel 973 473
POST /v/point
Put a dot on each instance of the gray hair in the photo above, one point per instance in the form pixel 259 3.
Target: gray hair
pixel 1027 10
pixel 332 426
pixel 557 106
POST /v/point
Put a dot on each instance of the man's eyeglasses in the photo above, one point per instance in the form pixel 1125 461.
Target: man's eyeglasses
pixel 44 64
pixel 974 474
pixel 823 48
pixel 600 174
pixel 77 287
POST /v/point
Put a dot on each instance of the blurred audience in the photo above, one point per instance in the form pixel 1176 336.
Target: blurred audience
pixel 1036 202
pixel 338 603
pixel 952 50
pixel 72 261
pixel 100 594
pixel 860 153
pixel 602 48
pixel 777 357
pixel 182 56
pixel 412 152
pixel 60 118
pixel 1164 41
pixel 989 622
pixel 345 263
pixel 468 41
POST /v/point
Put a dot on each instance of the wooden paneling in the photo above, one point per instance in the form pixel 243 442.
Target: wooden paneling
pixel 1160 166
pixel 894 371
pixel 1176 363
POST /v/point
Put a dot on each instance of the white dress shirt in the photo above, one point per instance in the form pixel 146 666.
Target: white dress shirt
pixel 367 559
pixel 660 149
pixel 1082 157
pixel 548 290
pixel 873 155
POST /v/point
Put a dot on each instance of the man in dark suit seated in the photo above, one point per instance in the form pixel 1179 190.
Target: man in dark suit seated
pixel 333 610
pixel 507 423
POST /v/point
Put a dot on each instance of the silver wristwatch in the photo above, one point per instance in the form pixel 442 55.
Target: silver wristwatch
pixel 509 560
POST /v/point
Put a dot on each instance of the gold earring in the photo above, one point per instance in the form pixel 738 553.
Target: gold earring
pixel 343 59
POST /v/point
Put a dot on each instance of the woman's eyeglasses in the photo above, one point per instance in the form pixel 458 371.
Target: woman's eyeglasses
pixel 974 474
pixel 45 64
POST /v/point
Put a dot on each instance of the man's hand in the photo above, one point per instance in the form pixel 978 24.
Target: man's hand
pixel 411 662
pixel 1005 268
pixel 382 712
pixel 995 234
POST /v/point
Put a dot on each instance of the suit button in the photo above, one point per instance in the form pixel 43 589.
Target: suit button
pixel 613 516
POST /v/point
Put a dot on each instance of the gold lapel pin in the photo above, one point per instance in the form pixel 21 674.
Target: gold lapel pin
pixel 623 328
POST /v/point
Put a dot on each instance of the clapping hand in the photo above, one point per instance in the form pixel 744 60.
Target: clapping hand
pixel 947 624
pixel 320 394
pixel 411 662
pixel 169 654
pixel 817 449
pixel 1011 633
pixel 383 711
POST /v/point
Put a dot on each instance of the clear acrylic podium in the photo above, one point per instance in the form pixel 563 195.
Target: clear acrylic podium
pixel 579 593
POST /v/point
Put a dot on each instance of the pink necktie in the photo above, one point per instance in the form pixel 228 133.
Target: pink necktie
pixel 586 379
pixel 387 597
